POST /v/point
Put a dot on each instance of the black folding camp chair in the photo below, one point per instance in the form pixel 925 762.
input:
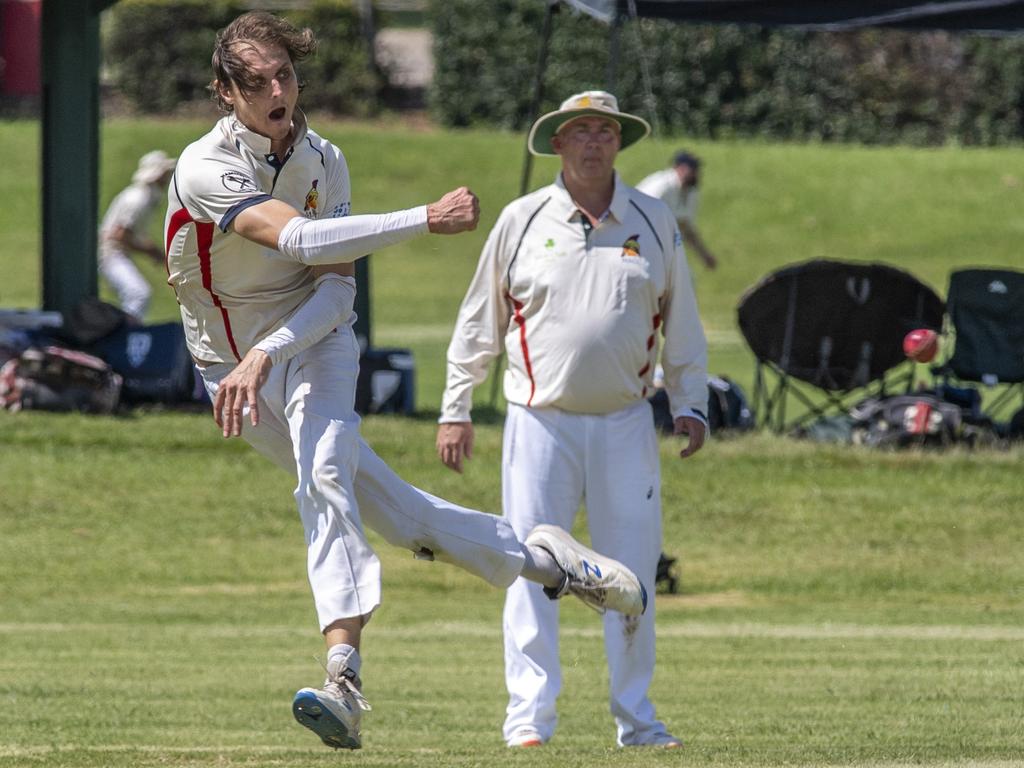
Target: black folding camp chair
pixel 986 320
pixel 829 333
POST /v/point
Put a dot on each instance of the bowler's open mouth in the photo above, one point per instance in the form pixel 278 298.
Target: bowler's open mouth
pixel 278 113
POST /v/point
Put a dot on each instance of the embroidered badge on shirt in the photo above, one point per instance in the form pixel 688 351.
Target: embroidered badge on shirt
pixel 312 198
pixel 631 247
pixel 236 182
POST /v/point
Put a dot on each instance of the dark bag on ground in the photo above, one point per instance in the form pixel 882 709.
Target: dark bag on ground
pixel 154 362
pixel 727 407
pixel 387 382
pixel 902 421
pixel 667 578
pixel 58 379
pixel 90 321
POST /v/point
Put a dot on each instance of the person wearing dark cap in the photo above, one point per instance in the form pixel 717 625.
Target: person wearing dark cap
pixel 677 187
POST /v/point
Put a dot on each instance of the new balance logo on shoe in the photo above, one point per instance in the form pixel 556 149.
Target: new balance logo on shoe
pixel 600 582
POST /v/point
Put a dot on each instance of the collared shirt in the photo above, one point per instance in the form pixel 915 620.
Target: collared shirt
pixel 232 291
pixel 666 186
pixel 578 309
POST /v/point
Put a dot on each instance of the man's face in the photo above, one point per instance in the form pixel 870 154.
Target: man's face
pixel 687 175
pixel 267 110
pixel 588 146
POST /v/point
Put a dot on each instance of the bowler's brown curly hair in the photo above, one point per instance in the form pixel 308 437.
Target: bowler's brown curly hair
pixel 254 27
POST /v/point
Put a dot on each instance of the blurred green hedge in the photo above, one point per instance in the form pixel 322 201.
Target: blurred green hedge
pixel 158 54
pixel 872 86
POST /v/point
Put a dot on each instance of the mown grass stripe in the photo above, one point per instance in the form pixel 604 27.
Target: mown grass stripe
pixel 746 630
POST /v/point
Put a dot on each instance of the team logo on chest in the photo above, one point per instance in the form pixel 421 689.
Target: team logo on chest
pixel 631 248
pixel 312 200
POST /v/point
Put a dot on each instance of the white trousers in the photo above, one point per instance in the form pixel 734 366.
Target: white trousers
pixel 309 427
pixel 132 289
pixel 552 461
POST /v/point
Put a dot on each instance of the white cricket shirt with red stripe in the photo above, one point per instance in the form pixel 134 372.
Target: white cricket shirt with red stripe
pixel 232 291
pixel 579 309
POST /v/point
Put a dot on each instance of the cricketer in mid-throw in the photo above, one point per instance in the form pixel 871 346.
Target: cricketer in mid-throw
pixel 259 251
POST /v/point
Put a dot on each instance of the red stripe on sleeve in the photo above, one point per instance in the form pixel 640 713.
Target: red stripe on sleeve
pixel 521 322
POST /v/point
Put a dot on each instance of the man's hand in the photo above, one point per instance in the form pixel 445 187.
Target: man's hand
pixel 241 387
pixel 458 211
pixel 694 427
pixel 709 259
pixel 454 441
pixel 156 253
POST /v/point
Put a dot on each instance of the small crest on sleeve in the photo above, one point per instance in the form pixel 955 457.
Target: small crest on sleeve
pixel 236 181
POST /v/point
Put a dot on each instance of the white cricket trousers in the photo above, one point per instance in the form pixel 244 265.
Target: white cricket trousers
pixel 552 461
pixel 132 289
pixel 309 427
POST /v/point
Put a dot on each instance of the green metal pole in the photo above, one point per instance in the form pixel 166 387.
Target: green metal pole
pixel 70 150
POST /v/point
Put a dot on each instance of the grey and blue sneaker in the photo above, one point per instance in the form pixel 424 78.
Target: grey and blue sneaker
pixel 601 582
pixel 333 712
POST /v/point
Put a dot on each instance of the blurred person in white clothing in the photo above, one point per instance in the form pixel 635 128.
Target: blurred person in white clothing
pixel 679 188
pixel 123 232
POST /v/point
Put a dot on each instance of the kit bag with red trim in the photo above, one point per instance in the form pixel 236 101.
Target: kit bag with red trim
pixel 900 421
pixel 57 379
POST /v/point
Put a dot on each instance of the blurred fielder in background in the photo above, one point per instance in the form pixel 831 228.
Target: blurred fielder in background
pixel 124 231
pixel 574 284
pixel 259 251
pixel 677 187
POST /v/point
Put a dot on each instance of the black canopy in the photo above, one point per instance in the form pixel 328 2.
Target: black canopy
pixel 953 15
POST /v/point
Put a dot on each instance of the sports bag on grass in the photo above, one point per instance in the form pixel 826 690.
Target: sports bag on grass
pixel 907 420
pixel 58 379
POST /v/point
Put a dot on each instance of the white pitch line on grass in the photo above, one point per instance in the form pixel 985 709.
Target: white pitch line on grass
pixel 696 630
pixel 36 751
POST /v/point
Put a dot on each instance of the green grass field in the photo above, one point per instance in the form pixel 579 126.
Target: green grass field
pixel 839 606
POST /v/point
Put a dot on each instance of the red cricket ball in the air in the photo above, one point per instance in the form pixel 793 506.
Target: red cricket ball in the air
pixel 921 345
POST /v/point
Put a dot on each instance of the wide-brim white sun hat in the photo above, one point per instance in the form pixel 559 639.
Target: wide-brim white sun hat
pixel 152 166
pixel 597 103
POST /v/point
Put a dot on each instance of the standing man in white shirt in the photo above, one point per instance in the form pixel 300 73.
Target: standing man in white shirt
pixel 124 231
pixel 259 251
pixel 574 284
pixel 678 188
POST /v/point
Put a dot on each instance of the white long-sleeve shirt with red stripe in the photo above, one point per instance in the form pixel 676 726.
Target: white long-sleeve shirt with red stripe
pixel 579 309
pixel 232 291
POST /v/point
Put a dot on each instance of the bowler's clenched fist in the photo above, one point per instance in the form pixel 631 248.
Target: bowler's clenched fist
pixel 458 211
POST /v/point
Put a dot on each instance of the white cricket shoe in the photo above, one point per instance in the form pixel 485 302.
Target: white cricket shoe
pixel 333 712
pixel 600 582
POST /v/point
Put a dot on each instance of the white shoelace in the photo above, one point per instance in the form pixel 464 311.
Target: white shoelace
pixel 345 684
